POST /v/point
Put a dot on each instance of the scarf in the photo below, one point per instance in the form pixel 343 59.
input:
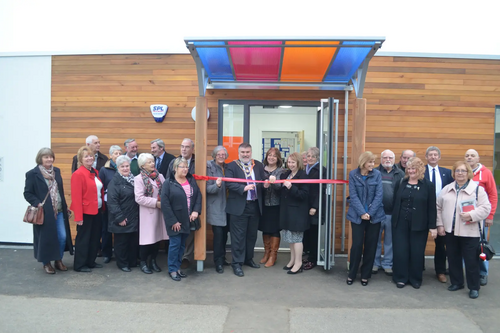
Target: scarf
pixel 154 175
pixel 50 176
pixel 129 178
pixel 112 164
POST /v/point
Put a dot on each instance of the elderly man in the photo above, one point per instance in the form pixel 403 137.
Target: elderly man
pixel 100 159
pixel 187 149
pixel 403 159
pixel 391 175
pixel 244 206
pixel 162 158
pixel 483 177
pixel 131 151
pixel 440 177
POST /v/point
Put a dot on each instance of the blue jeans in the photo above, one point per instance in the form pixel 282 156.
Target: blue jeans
pixel 61 234
pixel 484 265
pixel 386 262
pixel 176 251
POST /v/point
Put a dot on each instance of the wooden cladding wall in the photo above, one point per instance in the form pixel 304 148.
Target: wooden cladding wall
pixel 412 103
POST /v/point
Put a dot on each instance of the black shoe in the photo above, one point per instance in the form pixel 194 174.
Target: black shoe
pixel 126 269
pixel 219 269
pixel 226 263
pixel 96 265
pixel 349 281
pixel 455 287
pixel 364 283
pixel 145 268
pixel 400 285
pixel 154 266
pixel 286 268
pixel 483 280
pixel 252 264
pixel 106 260
pixel 416 285
pixel 474 293
pixel 238 271
pixel 84 269
pixel 174 276
pixel 300 270
pixel 182 274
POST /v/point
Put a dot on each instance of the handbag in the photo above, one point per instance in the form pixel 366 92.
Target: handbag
pixel 195 225
pixel 485 249
pixel 34 215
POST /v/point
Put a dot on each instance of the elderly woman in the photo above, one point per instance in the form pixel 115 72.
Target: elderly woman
pixel 311 235
pixel 106 174
pixel 123 214
pixel 147 187
pixel 181 205
pixel 270 220
pixel 87 193
pixel 216 206
pixel 365 213
pixel 294 210
pixel 461 206
pixel 413 217
pixel 53 237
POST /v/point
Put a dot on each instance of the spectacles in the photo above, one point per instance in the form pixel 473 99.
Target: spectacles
pixel 460 171
pixel 182 167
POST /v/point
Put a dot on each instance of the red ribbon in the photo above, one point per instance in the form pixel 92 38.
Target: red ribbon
pixel 304 181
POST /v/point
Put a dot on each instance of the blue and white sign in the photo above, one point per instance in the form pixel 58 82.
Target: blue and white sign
pixel 159 112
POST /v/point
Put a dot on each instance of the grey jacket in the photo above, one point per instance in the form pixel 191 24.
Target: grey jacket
pixel 388 187
pixel 216 196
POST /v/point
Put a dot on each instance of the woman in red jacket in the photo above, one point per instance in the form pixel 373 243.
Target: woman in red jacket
pixel 87 195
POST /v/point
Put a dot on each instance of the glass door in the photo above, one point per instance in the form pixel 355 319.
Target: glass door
pixel 328 153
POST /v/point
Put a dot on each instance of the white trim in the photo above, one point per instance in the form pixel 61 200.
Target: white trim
pixel 438 55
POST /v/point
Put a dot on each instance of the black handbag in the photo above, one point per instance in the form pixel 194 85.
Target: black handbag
pixel 485 249
pixel 195 225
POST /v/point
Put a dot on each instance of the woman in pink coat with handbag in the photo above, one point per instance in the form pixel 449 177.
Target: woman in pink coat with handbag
pixel 147 188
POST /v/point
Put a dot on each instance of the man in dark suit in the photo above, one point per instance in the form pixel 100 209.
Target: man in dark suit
pixel 440 177
pixel 100 159
pixel 162 158
pixel 244 206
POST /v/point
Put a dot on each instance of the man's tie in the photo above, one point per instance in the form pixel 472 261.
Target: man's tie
pixel 433 180
pixel 158 162
pixel 253 194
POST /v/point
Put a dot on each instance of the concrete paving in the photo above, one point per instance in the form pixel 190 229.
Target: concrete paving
pixel 265 300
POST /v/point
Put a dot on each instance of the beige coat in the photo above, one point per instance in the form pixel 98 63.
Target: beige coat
pixel 447 203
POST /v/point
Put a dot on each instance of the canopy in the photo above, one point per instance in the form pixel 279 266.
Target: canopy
pixel 283 63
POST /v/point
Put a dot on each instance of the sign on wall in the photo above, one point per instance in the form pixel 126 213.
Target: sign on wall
pixel 159 111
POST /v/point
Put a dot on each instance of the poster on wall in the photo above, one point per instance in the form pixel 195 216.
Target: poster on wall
pixel 286 142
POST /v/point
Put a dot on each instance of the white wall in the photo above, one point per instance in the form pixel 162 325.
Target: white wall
pixel 25 85
pixel 295 119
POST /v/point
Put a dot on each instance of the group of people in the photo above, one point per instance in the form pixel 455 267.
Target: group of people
pixel 402 203
pixel 149 198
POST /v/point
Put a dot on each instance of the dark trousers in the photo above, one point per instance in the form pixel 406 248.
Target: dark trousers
pixel 175 251
pixel 189 248
pixel 312 242
pixel 126 249
pixel 458 248
pixel 220 241
pixel 87 241
pixel 408 248
pixel 440 255
pixel 150 250
pixel 244 229
pixel 364 243
pixel 106 237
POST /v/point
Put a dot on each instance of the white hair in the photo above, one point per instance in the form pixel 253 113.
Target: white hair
pixel 114 148
pixel 91 138
pixel 387 151
pixel 121 159
pixel 188 139
pixel 143 158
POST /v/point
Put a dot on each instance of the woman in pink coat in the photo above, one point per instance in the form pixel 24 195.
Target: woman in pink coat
pixel 147 188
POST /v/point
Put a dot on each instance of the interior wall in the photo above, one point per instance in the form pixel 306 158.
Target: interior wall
pixel 25 124
pixel 294 119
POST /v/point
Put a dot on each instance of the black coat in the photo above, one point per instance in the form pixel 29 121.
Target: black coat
pixel 424 205
pixel 314 195
pixel 174 204
pixel 101 160
pixel 121 205
pixel 165 162
pixel 237 198
pixel 45 241
pixel 294 204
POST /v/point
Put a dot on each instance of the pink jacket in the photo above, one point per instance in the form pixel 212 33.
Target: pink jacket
pixel 447 203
